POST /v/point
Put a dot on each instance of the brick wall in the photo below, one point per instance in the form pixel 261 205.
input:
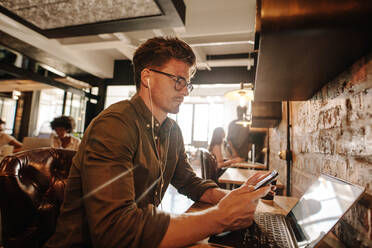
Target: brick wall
pixel 332 133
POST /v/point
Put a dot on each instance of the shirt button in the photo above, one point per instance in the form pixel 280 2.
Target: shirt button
pixel 157 124
pixel 148 125
pixel 156 193
pixel 156 137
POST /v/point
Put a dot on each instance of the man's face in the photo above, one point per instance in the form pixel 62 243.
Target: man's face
pixel 163 93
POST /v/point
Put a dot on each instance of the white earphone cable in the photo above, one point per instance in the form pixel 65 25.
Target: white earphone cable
pixel 156 148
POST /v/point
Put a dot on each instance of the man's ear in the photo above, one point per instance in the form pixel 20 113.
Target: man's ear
pixel 145 77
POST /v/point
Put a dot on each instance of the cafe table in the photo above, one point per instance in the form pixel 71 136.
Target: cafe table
pixel 175 203
pixel 280 205
pixel 247 165
pixel 237 176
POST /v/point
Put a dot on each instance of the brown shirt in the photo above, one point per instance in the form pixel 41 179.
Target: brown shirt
pixel 115 180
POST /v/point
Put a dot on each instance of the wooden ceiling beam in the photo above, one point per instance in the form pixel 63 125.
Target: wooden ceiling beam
pixel 23 73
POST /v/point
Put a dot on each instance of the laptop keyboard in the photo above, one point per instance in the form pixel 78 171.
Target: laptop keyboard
pixel 243 238
pixel 268 231
pixel 273 229
pixel 254 237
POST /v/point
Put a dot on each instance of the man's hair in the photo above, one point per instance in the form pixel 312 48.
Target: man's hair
pixel 1 121
pixel 158 51
pixel 65 122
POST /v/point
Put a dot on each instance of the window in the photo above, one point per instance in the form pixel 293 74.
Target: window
pixel 201 119
pixel 197 122
pixel 216 118
pixel 7 113
pixel 68 103
pixel 184 120
pixel 50 106
pixel 77 112
pixel 119 93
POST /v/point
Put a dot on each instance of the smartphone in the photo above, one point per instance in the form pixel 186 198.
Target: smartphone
pixel 268 179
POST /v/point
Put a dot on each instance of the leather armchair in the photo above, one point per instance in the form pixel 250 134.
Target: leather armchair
pixel 31 192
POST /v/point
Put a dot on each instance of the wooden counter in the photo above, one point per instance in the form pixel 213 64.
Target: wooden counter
pixel 238 176
pixel 247 165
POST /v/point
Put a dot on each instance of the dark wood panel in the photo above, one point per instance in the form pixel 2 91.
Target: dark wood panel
pixel 224 75
pixel 26 114
pixel 259 122
pixel 295 65
pixel 123 75
pixel 303 46
pixel 23 73
pixel 266 114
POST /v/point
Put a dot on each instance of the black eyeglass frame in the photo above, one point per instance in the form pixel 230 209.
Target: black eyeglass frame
pixel 179 81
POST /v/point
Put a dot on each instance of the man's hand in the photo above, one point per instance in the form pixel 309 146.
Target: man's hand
pixel 236 210
pixel 253 180
pixel 258 176
pixel 214 195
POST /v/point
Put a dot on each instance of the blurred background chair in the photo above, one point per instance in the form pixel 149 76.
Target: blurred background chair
pixel 32 186
pixel 209 168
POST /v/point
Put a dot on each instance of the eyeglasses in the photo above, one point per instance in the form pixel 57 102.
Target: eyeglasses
pixel 179 82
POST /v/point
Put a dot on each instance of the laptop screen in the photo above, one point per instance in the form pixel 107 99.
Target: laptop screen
pixel 320 208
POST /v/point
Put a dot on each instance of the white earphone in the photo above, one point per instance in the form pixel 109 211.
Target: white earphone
pixel 153 137
pixel 161 163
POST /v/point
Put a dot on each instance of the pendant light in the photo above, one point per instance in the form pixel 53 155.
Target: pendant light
pixel 245 96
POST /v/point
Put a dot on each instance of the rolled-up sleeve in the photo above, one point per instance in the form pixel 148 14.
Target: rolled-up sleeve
pixel 184 178
pixel 113 216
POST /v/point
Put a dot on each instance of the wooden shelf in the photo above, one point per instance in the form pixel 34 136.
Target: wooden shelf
pixel 302 46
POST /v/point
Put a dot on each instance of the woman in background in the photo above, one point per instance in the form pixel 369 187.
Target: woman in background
pixel 63 126
pixel 216 147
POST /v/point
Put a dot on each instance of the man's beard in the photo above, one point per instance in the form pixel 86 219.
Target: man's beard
pixel 173 110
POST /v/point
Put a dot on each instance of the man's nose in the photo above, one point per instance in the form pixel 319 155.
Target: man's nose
pixel 185 91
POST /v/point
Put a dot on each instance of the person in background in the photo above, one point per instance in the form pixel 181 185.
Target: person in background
pixel 238 136
pixel 6 139
pixel 217 148
pixel 63 127
pixel 129 155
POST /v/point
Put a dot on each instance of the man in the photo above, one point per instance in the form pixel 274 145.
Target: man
pixel 128 156
pixel 238 136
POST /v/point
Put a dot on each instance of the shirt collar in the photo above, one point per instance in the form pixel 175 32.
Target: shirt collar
pixel 146 115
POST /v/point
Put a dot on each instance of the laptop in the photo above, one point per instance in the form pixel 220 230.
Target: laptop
pixel 315 214
pixel 30 143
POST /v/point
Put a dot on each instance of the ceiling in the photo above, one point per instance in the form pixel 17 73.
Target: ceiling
pixel 86 36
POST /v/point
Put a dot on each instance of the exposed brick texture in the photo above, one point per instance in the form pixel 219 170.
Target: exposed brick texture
pixel 332 133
